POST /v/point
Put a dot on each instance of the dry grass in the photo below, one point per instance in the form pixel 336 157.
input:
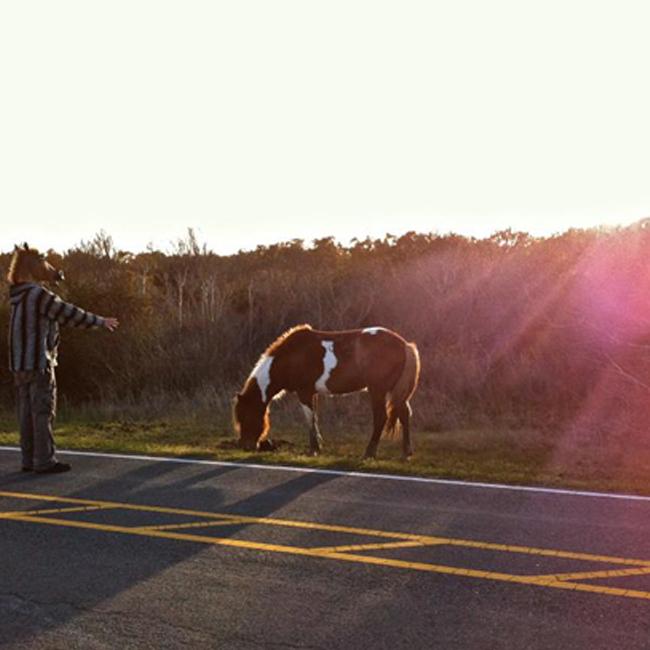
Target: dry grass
pixel 523 456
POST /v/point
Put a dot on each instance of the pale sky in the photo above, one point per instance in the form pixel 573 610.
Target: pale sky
pixel 262 121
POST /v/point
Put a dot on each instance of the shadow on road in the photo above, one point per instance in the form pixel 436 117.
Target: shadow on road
pixel 80 569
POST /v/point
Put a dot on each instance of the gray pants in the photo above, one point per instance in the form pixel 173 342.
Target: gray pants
pixel 36 404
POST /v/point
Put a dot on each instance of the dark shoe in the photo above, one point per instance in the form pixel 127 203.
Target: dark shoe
pixel 57 468
pixel 27 469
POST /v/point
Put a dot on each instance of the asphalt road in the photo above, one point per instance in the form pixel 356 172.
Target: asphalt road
pixel 137 554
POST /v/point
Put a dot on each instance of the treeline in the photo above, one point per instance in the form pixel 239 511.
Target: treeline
pixel 512 329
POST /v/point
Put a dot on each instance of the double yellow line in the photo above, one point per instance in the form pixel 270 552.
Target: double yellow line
pixel 345 553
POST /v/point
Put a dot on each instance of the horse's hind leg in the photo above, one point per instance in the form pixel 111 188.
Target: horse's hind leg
pixel 309 405
pixel 404 416
pixel 379 417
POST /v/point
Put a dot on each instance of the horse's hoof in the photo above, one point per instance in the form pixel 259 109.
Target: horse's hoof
pixel 406 458
pixel 369 457
pixel 267 445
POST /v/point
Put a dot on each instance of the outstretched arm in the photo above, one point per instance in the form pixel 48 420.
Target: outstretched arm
pixel 111 324
pixel 65 313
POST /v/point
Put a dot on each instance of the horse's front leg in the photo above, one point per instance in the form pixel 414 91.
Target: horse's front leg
pixel 309 405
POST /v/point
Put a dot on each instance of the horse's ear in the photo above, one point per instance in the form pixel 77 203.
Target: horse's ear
pixel 16 247
pixel 26 246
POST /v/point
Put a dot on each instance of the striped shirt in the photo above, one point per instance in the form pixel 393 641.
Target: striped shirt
pixel 36 314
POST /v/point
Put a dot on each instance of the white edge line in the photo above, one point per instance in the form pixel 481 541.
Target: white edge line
pixel 338 472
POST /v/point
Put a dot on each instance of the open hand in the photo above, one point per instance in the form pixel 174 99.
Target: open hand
pixel 111 324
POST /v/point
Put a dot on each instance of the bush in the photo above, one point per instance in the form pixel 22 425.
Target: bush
pixel 511 329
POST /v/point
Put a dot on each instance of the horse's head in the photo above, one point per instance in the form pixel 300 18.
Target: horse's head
pixel 251 420
pixel 28 264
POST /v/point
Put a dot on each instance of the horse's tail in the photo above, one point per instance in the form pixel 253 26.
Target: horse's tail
pixel 403 389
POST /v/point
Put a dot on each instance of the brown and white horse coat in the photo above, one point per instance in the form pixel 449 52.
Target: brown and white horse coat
pixel 310 362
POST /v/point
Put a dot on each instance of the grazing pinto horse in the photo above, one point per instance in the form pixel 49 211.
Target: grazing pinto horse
pixel 310 362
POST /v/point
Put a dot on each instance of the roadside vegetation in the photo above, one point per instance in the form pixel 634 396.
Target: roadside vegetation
pixel 535 351
pixel 523 456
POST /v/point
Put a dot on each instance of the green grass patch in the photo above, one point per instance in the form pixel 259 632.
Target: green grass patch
pixel 498 455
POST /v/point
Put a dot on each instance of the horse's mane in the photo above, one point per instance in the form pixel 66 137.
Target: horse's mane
pixel 273 348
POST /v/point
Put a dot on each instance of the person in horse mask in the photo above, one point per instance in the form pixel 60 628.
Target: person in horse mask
pixel 36 314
